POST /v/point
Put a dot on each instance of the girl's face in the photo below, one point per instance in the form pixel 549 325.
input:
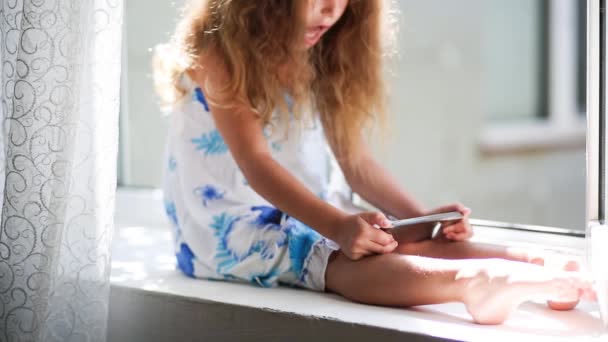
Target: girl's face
pixel 321 16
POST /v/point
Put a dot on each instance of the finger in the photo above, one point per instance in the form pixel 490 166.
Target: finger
pixel 460 236
pixel 455 228
pixel 470 232
pixel 449 229
pixel 449 207
pixel 461 208
pixel 380 249
pixel 354 256
pixel 449 235
pixel 462 232
pixel 347 254
pixel 380 237
pixel 376 217
pixel 461 225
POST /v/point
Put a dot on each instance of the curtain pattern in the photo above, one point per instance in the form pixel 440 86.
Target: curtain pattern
pixel 60 76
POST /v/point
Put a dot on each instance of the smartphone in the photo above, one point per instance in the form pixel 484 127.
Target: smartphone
pixel 453 215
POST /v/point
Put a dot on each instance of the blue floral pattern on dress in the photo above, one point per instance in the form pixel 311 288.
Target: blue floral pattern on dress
pixel 275 145
pixel 185 259
pixel 210 143
pixel 200 97
pixel 208 193
pixel 235 244
pixel 268 215
pixel 223 228
pixel 267 279
pixel 171 213
pixel 301 240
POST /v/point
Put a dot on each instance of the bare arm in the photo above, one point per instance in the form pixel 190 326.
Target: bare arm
pixel 241 129
pixel 376 185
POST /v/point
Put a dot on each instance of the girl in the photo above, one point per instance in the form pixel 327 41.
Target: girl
pixel 269 100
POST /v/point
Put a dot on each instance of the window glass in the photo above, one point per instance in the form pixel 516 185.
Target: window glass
pixel 514 59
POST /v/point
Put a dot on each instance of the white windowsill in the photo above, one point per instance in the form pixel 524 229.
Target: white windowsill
pixel 531 136
pixel 143 260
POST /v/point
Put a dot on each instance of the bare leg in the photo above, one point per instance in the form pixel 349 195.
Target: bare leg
pixel 490 288
pixel 435 248
pixel 471 250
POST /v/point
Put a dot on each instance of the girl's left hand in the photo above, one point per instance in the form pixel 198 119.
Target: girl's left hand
pixel 457 230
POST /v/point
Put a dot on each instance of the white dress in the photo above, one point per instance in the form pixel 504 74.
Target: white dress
pixel 222 228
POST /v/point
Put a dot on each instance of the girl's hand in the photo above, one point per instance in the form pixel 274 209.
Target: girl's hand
pixel 358 237
pixel 456 230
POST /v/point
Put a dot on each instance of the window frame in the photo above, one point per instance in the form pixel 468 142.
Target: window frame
pixel 564 126
pixel 596 113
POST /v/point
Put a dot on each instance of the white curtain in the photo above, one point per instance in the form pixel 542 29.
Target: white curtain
pixel 60 74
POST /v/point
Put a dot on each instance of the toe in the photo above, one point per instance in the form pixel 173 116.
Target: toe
pixel 571 266
pixel 538 261
pixel 561 306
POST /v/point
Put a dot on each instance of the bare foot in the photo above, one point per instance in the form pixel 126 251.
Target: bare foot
pixel 567 263
pixel 571 265
pixel 496 287
pixel 540 261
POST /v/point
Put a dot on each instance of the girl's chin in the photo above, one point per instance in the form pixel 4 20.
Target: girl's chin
pixel 310 43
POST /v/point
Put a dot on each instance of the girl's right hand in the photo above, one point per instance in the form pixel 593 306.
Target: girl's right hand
pixel 358 237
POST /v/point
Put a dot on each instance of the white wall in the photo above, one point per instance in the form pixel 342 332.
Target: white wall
pixel 437 107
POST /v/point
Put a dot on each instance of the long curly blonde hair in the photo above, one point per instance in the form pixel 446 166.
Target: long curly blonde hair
pixel 341 77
